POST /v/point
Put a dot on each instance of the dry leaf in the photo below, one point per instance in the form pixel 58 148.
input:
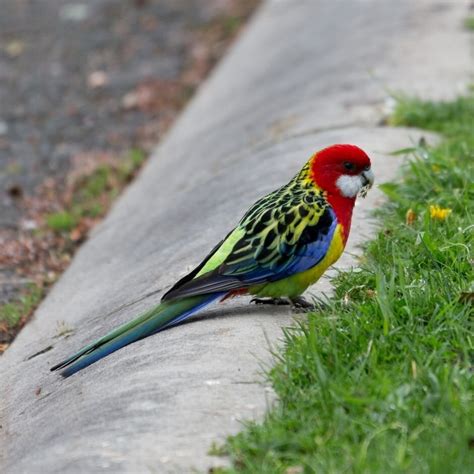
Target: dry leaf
pixel 410 217
pixel 97 79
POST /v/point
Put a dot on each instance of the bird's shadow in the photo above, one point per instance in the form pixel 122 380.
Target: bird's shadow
pixel 229 311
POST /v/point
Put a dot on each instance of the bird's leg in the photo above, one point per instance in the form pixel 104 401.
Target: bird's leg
pixel 297 302
pixel 272 301
pixel 300 303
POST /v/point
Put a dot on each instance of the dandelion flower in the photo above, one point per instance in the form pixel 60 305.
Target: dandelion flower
pixel 439 213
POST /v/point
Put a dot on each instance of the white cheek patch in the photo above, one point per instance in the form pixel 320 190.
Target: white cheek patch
pixel 349 186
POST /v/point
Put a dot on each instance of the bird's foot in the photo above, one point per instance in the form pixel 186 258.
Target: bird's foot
pixel 271 301
pixel 300 304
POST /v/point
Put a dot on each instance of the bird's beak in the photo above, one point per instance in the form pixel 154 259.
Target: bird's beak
pixel 367 181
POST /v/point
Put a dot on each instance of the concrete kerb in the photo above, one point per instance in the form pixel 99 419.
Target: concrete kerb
pixel 301 77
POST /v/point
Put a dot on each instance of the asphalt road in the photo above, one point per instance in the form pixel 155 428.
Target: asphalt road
pixel 306 74
pixel 50 107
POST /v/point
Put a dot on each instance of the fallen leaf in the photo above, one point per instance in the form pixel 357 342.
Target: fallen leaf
pixel 3 347
pixel 97 79
pixel 294 470
pixel 410 217
pixel 467 297
pixel 76 234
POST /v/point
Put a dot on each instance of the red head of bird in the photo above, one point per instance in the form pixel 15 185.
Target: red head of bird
pixel 343 172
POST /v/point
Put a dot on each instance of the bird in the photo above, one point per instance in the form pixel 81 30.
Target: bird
pixel 281 246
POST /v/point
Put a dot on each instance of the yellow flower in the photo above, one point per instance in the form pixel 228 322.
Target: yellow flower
pixel 439 213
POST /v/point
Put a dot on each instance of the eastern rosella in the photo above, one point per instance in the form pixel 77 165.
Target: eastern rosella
pixel 283 244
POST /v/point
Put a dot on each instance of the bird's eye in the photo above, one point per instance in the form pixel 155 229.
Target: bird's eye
pixel 367 168
pixel 349 166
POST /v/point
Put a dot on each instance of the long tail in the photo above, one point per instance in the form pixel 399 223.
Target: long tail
pixel 163 316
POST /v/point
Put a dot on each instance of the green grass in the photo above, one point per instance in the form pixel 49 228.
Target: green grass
pixel 93 193
pixel 61 221
pixel 381 379
pixel 454 119
pixel 469 23
pixel 231 24
pixel 12 313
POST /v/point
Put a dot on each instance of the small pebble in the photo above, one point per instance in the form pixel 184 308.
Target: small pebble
pixel 74 12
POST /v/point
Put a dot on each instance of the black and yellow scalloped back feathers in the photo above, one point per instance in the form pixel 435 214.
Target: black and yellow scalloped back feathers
pixel 284 234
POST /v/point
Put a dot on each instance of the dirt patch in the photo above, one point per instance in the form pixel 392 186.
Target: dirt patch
pixel 86 90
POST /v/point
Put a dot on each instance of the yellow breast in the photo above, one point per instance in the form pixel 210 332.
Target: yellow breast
pixel 311 276
pixel 297 284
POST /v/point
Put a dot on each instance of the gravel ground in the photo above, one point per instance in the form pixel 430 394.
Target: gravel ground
pixel 80 80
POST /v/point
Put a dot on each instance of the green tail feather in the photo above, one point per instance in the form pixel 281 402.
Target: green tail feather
pixel 150 322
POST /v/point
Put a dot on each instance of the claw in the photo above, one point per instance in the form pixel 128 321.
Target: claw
pixel 271 301
pixel 300 303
